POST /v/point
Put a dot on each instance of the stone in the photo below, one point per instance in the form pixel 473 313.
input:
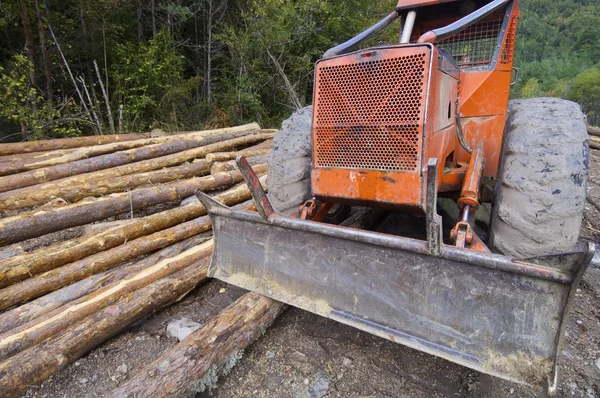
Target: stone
pixel 182 328
pixel 346 362
pixel 122 369
pixel 320 387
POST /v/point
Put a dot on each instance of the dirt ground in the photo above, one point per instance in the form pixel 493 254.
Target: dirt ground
pixel 304 355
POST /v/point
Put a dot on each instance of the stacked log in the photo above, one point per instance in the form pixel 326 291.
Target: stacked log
pixel 63 298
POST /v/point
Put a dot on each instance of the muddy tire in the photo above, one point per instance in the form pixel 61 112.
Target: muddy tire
pixel 289 163
pixel 542 180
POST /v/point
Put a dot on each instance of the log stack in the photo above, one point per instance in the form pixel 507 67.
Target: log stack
pixel 64 291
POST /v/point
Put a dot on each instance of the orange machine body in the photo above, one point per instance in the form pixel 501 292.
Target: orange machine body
pixel 380 114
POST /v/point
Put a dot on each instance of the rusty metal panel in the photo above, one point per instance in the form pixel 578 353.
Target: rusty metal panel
pixel 369 107
pixel 488 312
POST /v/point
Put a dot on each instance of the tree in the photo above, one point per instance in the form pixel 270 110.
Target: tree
pixel 586 91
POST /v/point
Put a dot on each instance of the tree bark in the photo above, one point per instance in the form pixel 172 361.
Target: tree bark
pixel 25 313
pixel 153 12
pixel 138 16
pixel 256 150
pixel 177 371
pixel 54 189
pixel 28 34
pixel 40 329
pixel 40 222
pixel 45 54
pixel 62 253
pixel 39 362
pixel 19 164
pixel 231 165
pixel 65 143
pixel 107 161
pixel 104 186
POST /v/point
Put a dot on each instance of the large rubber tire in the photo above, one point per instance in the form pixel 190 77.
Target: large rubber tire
pixel 541 187
pixel 289 163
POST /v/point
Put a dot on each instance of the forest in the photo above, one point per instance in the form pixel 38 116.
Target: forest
pixel 81 67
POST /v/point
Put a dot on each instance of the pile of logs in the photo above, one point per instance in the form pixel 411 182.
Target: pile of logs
pixel 594 133
pixel 99 232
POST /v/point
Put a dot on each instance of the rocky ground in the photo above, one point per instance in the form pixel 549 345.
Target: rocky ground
pixel 304 355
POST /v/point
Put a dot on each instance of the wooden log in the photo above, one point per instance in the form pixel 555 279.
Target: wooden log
pixel 62 143
pixel 177 371
pixel 34 195
pixel 10 201
pixel 594 145
pixel 230 165
pixel 37 363
pixel 593 131
pixel 25 313
pixel 7 160
pixel 39 329
pixel 62 253
pixel 37 223
pixel 109 160
pixel 11 251
pixel 60 157
pixel 263 148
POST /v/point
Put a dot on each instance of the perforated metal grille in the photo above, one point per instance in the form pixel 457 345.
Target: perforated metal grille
pixel 368 114
pixel 474 47
pixel 509 41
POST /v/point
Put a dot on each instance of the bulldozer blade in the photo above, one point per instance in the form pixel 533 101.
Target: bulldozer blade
pixel 492 313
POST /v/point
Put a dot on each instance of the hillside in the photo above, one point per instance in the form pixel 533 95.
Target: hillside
pixel 558 52
pixel 191 64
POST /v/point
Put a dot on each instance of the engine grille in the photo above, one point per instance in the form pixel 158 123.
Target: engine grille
pixel 368 115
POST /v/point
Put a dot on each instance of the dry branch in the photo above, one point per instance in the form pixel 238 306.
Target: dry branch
pixel 35 195
pixel 107 161
pixel 63 143
pixel 176 372
pixel 27 312
pixel 39 329
pixel 37 223
pixel 39 362
pixel 60 157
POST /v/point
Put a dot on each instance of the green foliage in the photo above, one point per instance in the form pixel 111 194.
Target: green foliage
pixel 557 46
pixel 187 64
pixel 278 40
pixel 586 90
pixel 23 106
pixel 149 82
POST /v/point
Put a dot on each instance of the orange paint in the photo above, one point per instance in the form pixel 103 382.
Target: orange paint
pixel 380 114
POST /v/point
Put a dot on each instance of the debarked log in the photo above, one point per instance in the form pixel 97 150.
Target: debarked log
pixel 76 186
pixel 221 340
pixel 54 158
pixel 40 222
pixel 51 173
pixel 63 143
pixel 37 363
pixel 27 312
pixel 53 256
pixel 41 328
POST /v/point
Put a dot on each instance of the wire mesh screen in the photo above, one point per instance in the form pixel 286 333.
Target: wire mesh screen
pixel 474 47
